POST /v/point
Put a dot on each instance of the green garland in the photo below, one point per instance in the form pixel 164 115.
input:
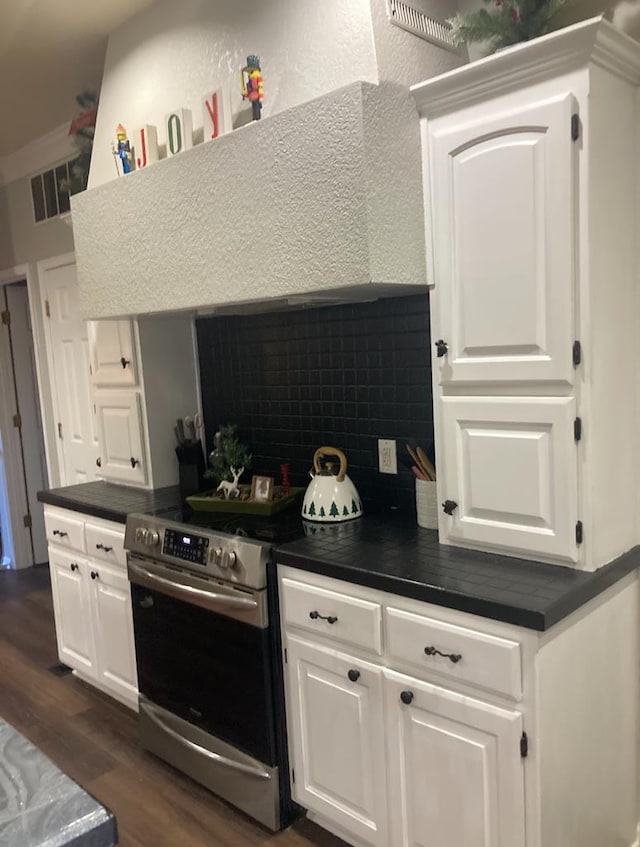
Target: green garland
pixel 508 22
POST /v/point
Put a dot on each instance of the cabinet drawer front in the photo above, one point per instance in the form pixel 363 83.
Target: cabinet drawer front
pixel 106 544
pixel 470 657
pixel 64 531
pixel 357 622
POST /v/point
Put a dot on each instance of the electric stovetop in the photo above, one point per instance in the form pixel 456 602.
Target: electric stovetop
pixel 277 529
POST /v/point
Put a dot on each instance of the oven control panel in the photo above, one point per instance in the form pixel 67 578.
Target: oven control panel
pixel 183 545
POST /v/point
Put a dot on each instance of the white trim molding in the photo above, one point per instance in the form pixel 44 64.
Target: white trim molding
pixel 593 41
pixel 49 150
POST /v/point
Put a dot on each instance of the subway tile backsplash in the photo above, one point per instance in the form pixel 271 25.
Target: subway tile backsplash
pixel 339 376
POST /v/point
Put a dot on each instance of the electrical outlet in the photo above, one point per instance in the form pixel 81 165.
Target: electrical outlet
pixel 387 460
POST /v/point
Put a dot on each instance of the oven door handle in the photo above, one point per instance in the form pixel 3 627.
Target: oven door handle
pixel 208 599
pixel 221 760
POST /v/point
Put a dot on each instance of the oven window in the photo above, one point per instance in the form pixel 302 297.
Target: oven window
pixel 211 670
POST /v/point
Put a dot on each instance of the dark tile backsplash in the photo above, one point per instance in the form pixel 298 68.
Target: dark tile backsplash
pixel 341 376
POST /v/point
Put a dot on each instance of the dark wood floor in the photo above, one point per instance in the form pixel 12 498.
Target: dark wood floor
pixel 94 740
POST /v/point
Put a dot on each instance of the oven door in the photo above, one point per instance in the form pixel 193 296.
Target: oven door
pixel 203 662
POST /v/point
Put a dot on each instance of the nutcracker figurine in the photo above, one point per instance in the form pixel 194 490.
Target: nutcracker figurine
pixel 122 150
pixel 251 85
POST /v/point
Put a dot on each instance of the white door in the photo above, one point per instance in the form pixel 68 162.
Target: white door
pixel 503 218
pixel 119 420
pixel 69 351
pixel 510 474
pixel 456 775
pixel 72 610
pixel 112 353
pixel 113 623
pixel 336 738
pixel 28 404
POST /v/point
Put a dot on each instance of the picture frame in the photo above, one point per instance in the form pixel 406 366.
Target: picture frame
pixel 262 488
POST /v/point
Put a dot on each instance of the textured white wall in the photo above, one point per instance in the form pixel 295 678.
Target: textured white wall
pixel 31 242
pixel 175 52
pixel 334 199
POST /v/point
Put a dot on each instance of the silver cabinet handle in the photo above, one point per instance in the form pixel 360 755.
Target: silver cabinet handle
pixel 179 591
pixel 221 760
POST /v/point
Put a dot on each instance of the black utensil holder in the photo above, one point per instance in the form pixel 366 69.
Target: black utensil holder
pixel 190 468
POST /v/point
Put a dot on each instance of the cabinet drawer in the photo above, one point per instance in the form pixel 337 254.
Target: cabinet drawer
pixel 106 544
pixel 357 622
pixel 64 530
pixel 478 659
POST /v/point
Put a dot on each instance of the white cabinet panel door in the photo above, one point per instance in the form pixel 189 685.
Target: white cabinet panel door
pixel 455 772
pixel 337 739
pixel 112 353
pixel 70 364
pixel 510 466
pixel 113 622
pixel 72 610
pixel 120 428
pixel 503 201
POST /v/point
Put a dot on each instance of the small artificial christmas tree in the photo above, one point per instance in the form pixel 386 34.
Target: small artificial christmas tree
pixel 507 22
pixel 232 454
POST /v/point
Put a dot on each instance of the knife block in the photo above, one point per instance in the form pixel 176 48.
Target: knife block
pixel 426 504
pixel 190 468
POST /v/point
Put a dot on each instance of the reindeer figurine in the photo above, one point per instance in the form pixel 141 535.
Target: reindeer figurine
pixel 230 489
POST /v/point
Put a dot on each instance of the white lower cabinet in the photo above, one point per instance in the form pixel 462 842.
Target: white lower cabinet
pixel 415 725
pixel 92 604
pixel 72 609
pixel 113 628
pixel 453 775
pixel 336 726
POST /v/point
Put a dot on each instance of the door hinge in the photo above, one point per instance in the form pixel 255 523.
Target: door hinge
pixel 17 420
pixel 579 532
pixel 293 775
pixel 59 430
pixel 524 745
pixel 577 429
pixel 26 520
pixel 286 658
pixel 47 308
pixel 575 126
pixel 577 353
pixel 6 317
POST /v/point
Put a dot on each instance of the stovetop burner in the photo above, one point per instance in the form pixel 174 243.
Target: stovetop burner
pixel 286 526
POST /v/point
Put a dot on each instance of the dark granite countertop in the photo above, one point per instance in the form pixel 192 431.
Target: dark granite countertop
pixel 42 807
pixel 109 501
pixel 388 551
pixel 392 554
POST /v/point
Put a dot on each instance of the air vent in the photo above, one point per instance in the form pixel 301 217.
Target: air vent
pixel 414 21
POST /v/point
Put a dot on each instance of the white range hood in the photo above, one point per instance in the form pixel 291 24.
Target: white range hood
pixel 319 202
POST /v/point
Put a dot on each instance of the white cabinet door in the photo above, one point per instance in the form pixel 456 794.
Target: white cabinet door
pixel 112 353
pixel 503 225
pixel 510 469
pixel 120 430
pixel 455 772
pixel 72 610
pixel 113 624
pixel 69 372
pixel 336 739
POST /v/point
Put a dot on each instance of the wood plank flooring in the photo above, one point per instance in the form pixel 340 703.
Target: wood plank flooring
pixel 94 740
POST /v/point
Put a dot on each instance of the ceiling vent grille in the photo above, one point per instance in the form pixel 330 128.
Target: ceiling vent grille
pixel 415 21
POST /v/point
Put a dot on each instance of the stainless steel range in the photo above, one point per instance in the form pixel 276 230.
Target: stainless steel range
pixel 209 673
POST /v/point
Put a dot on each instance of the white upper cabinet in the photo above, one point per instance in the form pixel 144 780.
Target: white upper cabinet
pixel 502 210
pixel 531 196
pixel 121 436
pixel 112 352
pixel 511 473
